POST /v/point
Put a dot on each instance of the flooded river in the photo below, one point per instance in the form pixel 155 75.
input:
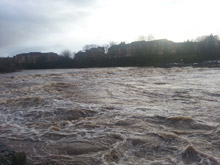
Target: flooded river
pixel 112 115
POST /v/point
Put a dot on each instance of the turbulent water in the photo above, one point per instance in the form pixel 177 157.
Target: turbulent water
pixel 113 115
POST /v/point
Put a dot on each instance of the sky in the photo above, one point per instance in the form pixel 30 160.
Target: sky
pixel 57 25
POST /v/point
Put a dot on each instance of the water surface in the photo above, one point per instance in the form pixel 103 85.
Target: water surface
pixel 113 115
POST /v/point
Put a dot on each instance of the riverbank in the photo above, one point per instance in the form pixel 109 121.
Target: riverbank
pixel 170 65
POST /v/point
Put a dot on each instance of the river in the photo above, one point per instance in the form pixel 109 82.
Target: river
pixel 112 115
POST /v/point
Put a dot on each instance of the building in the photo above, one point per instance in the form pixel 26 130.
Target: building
pixel 34 57
pixel 98 52
pixel 156 47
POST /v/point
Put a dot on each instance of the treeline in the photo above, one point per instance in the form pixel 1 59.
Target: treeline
pixel 44 63
pixel 151 53
pixel 7 65
pixel 138 53
pixel 35 60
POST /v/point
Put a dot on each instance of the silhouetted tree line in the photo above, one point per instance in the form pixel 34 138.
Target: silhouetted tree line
pixel 43 63
pixel 7 65
pixel 36 60
pixel 150 53
pixel 138 53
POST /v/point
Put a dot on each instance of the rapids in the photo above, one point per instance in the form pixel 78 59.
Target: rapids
pixel 112 115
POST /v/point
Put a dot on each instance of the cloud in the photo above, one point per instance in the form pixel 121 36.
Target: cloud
pixel 31 21
pixel 53 25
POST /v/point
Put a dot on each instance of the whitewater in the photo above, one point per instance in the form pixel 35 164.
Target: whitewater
pixel 112 116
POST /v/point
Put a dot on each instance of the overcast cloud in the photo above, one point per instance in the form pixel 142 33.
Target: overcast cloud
pixel 55 25
pixel 39 25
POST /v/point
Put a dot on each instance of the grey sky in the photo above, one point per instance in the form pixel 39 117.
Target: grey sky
pixel 55 25
pixel 39 25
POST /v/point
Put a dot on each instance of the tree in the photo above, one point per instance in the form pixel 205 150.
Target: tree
pixel 141 38
pixel 66 53
pixel 210 47
pixel 106 46
pixel 112 43
pixel 201 38
pixel 150 37
pixel 87 47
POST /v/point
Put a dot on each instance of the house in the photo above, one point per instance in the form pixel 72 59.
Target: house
pixel 34 57
pixel 156 47
pixel 98 52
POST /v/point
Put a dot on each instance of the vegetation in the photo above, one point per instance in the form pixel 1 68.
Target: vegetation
pixel 151 53
pixel 138 53
pixel 7 65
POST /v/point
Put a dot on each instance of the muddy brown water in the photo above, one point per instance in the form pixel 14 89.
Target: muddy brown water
pixel 113 115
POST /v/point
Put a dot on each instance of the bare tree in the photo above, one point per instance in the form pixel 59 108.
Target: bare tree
pixel 106 46
pixel 111 43
pixel 87 47
pixel 66 53
pixel 201 38
pixel 150 37
pixel 141 38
